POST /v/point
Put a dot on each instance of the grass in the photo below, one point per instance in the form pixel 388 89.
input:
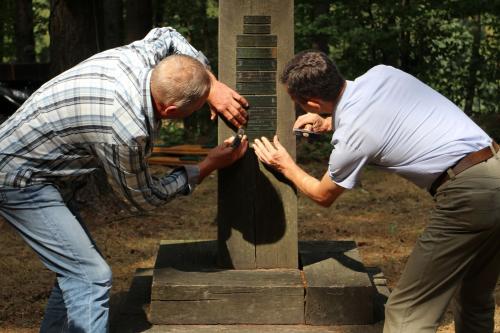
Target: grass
pixel 385 216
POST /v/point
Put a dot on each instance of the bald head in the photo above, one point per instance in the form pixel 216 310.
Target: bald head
pixel 179 80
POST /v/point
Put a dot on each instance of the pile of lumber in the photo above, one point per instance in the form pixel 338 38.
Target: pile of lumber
pixel 178 155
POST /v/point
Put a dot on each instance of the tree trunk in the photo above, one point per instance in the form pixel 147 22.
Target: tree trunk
pixel 404 39
pixel 112 23
pixel 73 33
pixel 2 29
pixel 158 12
pixel 475 63
pixel 320 41
pixel 138 19
pixel 23 27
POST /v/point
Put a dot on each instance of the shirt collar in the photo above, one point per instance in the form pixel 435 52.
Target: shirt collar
pixel 152 123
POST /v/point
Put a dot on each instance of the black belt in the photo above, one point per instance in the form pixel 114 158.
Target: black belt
pixel 466 162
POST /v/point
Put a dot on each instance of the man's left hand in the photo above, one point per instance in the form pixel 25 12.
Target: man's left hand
pixel 275 155
pixel 228 103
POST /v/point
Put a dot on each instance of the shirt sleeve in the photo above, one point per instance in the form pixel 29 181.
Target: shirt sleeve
pixel 162 42
pixel 129 175
pixel 345 164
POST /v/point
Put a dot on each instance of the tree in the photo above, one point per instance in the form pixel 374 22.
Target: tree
pixel 23 26
pixel 112 27
pixel 73 33
pixel 138 19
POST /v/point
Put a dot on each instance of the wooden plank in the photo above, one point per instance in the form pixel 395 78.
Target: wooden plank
pixel 256 64
pixel 252 19
pixel 339 290
pixel 382 292
pixel 263 329
pixel 257 29
pixel 182 150
pixel 257 210
pixel 170 161
pixel 256 40
pixel 187 254
pixel 227 297
pixel 139 294
pixel 256 52
pixel 257 76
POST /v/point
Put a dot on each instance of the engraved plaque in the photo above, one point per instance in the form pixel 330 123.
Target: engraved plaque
pixel 256 64
pixel 257 28
pixel 257 19
pixel 263 112
pixel 256 40
pixel 255 76
pixel 261 101
pixel 256 88
pixel 256 52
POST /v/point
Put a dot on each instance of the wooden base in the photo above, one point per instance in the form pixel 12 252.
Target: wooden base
pixel 333 288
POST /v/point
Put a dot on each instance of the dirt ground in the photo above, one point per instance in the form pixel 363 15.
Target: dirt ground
pixel 385 215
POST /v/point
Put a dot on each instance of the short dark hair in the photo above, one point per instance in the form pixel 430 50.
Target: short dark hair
pixel 311 74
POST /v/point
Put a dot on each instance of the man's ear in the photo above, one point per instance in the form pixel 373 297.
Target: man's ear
pixel 314 104
pixel 169 111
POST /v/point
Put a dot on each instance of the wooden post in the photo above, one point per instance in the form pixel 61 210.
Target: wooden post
pixel 257 210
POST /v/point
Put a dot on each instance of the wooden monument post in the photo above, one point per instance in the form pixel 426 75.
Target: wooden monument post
pixel 257 212
pixel 251 275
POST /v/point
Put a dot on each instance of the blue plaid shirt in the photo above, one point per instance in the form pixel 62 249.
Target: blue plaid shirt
pixel 98 114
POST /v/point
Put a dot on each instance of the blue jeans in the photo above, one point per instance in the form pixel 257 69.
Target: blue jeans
pixel 79 301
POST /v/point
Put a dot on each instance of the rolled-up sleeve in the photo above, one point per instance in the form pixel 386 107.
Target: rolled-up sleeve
pixel 129 174
pixel 162 42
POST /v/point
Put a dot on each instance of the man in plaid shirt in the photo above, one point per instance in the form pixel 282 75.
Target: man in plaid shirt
pixel 103 113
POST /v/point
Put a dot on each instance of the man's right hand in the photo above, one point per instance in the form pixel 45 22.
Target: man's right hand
pixel 222 156
pixel 314 122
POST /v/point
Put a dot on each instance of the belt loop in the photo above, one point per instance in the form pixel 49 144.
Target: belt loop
pixel 451 173
pixel 494 150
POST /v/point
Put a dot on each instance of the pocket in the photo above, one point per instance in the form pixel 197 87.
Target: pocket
pixel 31 197
pixel 470 209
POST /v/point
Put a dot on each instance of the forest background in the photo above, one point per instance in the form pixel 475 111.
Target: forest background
pixel 452 45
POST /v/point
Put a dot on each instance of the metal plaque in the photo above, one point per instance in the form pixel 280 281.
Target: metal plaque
pixel 255 76
pixel 256 64
pixel 257 19
pixel 257 28
pixel 262 113
pixel 256 88
pixel 261 101
pixel 256 40
pixel 254 52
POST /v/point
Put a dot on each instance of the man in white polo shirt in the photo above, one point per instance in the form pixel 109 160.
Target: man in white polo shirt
pixel 389 119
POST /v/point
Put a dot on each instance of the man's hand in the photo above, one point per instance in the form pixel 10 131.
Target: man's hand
pixel 323 191
pixel 275 156
pixel 314 122
pixel 222 156
pixel 227 102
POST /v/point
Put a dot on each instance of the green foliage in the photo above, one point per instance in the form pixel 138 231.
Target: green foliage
pixel 451 45
pixel 318 150
pixel 171 134
pixel 7 46
pixel 41 14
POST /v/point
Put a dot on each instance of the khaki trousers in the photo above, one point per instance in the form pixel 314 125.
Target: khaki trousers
pixel 456 259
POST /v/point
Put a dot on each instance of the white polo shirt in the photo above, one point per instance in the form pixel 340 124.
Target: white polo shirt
pixel 390 119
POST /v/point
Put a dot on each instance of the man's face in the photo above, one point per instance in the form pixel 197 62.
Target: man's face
pixel 317 106
pixel 313 105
